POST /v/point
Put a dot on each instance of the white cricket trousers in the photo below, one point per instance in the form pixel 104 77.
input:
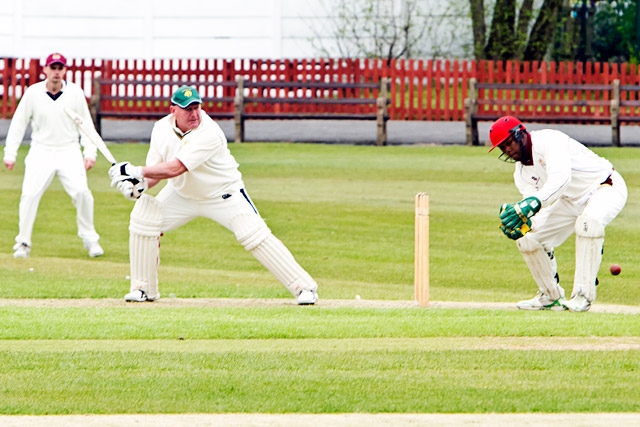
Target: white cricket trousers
pixel 41 165
pixel 554 225
pixel 236 212
pixel 177 210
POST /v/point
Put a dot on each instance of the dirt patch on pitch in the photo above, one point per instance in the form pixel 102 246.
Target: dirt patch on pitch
pixel 335 420
pixel 282 302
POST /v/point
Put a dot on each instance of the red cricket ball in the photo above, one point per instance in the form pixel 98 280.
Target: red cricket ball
pixel 615 269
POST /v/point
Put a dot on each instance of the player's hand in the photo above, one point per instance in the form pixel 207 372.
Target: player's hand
pixel 89 164
pixel 528 207
pixel 514 216
pixel 130 190
pixel 509 218
pixel 125 171
pixel 514 234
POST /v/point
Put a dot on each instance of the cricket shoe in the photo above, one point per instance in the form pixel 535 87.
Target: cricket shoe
pixel 94 248
pixel 542 302
pixel 139 296
pixel 578 303
pixel 307 297
pixel 22 250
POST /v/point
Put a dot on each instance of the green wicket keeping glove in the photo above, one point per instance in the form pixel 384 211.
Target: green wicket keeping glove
pixel 514 216
pixel 515 234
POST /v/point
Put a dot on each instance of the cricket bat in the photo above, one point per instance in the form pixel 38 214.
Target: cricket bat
pixel 92 135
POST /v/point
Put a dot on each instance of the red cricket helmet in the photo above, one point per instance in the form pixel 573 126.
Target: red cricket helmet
pixel 503 128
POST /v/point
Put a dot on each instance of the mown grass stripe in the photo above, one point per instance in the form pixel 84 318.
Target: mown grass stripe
pixel 328 345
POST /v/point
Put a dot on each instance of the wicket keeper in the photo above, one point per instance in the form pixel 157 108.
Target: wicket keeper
pixel 566 189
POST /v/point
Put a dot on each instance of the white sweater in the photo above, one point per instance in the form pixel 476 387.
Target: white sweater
pixel 50 126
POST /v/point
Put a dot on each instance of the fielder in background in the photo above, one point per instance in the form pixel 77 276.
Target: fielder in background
pixel 55 150
pixel 566 188
pixel 190 150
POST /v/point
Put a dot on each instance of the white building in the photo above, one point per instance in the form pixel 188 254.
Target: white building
pixel 145 29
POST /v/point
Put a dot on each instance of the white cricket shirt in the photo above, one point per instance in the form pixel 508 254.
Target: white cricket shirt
pixel 562 167
pixel 212 169
pixel 50 126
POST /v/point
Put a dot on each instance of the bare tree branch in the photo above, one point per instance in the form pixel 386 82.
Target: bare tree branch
pixel 386 29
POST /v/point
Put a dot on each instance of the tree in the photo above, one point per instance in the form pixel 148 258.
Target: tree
pixel 542 32
pixel 501 44
pixel 509 34
pixel 388 29
pixel 615 32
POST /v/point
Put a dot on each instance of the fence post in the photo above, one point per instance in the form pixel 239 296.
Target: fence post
pixel 5 84
pixel 94 105
pixel 382 113
pixel 238 109
pixel 615 114
pixel 470 108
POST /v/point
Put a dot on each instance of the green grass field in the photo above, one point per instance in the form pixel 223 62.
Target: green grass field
pixel 347 214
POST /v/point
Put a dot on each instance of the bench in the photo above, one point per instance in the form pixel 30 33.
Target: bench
pixel 242 100
pixel 625 107
pixel 538 102
pixel 278 100
pixel 150 99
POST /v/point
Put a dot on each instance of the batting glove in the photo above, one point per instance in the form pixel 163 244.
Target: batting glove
pixel 130 190
pixel 125 171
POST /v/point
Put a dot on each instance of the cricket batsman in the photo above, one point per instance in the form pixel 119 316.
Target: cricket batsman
pixel 566 189
pixel 190 150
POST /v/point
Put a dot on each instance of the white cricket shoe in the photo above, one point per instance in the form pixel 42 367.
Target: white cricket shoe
pixel 22 250
pixel 578 303
pixel 94 248
pixel 541 302
pixel 307 298
pixel 138 296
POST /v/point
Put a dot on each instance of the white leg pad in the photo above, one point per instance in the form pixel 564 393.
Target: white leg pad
pixel 542 265
pixel 252 233
pixel 589 243
pixel 274 255
pixel 144 245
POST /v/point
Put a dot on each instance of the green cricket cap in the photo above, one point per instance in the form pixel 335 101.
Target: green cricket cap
pixel 185 96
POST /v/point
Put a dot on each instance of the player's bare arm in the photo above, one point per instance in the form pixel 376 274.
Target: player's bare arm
pixel 132 180
pixel 164 170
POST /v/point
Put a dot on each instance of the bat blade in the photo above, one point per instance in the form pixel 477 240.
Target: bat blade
pixel 92 135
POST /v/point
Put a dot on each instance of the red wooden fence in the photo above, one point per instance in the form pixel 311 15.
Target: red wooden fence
pixel 420 89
